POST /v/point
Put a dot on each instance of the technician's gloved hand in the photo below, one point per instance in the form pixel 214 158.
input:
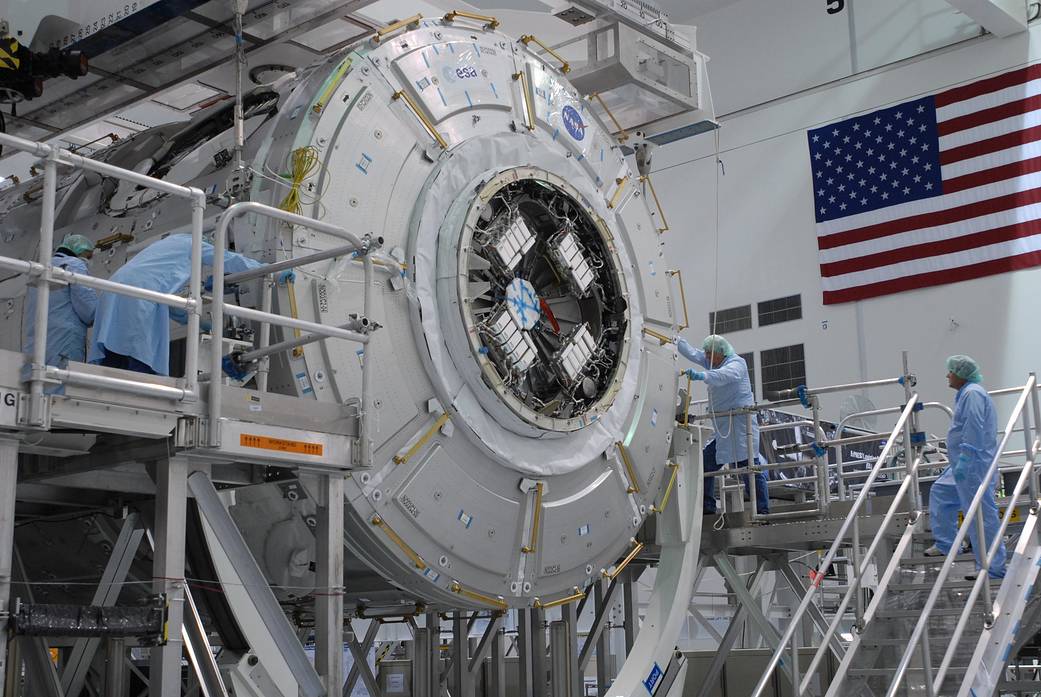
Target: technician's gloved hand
pixel 287 276
pixel 205 326
pixel 694 374
pixel 207 285
pixel 233 369
pixel 961 469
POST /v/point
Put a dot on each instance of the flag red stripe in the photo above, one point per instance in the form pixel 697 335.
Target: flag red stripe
pixel 989 145
pixel 933 278
pixel 924 220
pixel 931 249
pixel 995 174
pixel 991 84
pixel 994 113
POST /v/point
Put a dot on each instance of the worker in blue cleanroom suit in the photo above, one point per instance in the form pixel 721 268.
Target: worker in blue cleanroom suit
pixel 971 447
pixel 134 334
pixel 70 309
pixel 729 388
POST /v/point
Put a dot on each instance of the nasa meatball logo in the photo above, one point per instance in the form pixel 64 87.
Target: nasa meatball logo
pixel 573 122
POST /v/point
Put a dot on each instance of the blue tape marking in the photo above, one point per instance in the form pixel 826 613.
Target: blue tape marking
pixel 601 154
pixel 477 49
pixel 653 678
pixel 1005 653
pixel 972 691
pixel 442 95
pixel 483 350
pixel 1015 630
pixel 451 48
pixel 301 375
pixel 494 91
pixel 580 157
pixel 468 100
pixel 424 54
pixel 360 352
pixel 556 132
pixel 307 390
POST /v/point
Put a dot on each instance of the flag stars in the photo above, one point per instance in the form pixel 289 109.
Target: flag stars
pixel 891 145
pixel 842 206
pixel 820 192
pixel 900 133
pixel 906 191
pixel 831 181
pixel 858 145
pixel 823 210
pixel 904 171
pixel 871 170
pixel 849 157
pixel 842 187
pixel 928 166
pixel 899 115
pixel 863 201
pixel 925 146
pixel 921 108
pixel 928 186
pixel 856 127
pixel 874 189
pixel 917 178
pixel 878 139
pixel 860 163
pixel 885 195
pixel 870 151
pixel 831 199
pixel 835 133
pixel 816 156
pixel 914 160
pixel 845 139
pixel 877 120
pixel 889 126
pixel 816 137
pixel 839 169
pixel 903 152
pixel 913 140
pixel 862 182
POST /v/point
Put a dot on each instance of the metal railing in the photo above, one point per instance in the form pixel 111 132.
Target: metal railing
pixel 899 430
pixel 1027 479
pixel 44 274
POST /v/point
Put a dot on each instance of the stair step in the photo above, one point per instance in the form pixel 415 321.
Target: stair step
pixel 948 585
pixel 887 672
pixel 929 561
pixel 887 614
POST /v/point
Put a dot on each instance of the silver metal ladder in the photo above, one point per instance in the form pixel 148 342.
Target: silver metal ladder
pixel 925 629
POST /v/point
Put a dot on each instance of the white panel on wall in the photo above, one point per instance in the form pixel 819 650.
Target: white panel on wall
pixel 763 50
pixel 891 30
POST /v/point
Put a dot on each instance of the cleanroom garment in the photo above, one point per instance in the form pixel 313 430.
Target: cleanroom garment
pixel 70 310
pixel 139 328
pixel 728 388
pixel 971 447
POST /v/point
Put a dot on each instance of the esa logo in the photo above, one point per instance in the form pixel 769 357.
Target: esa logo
pixel 573 122
pixel 464 72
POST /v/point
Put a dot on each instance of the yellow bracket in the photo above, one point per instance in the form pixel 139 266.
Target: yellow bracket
pixel 623 135
pixel 565 67
pixel 427 123
pixel 529 103
pixel 620 567
pixel 489 21
pixel 576 595
pixel 402 459
pixel 396 539
pixel 391 28
pixel 683 296
pixel 634 484
pixel 654 195
pixel 658 335
pixel 331 84
pixel 456 587
pixel 618 192
pixel 535 521
pixel 668 489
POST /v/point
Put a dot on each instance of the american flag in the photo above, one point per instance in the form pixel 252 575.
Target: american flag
pixel 939 189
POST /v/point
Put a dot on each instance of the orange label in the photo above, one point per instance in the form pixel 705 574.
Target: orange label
pixel 248 440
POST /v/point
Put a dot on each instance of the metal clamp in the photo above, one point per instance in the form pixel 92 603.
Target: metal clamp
pixel 565 67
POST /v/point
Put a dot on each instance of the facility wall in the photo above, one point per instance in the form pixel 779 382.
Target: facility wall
pixel 743 229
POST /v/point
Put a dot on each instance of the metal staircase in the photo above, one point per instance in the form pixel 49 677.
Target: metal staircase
pixel 923 627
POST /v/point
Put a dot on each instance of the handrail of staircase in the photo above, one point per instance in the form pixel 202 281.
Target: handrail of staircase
pixel 860 568
pixel 975 511
pixel 1025 480
pixel 794 623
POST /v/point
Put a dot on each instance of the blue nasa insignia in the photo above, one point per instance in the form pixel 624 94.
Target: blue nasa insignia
pixel 573 122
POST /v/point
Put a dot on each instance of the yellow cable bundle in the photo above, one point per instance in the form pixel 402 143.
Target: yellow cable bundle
pixel 303 162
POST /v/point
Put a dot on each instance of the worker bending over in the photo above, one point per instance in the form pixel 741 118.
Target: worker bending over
pixel 729 388
pixel 70 308
pixel 971 448
pixel 134 334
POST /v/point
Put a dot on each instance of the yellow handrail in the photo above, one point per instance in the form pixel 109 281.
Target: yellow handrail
pixel 490 22
pixel 668 489
pixel 402 459
pixel 427 123
pixel 618 192
pixel 623 135
pixel 457 587
pixel 391 28
pixel 565 67
pixel 536 519
pixel 658 335
pixel 576 595
pixel 634 484
pixel 625 562
pixel 529 102
pixel 683 296
pixel 396 539
pixel 654 194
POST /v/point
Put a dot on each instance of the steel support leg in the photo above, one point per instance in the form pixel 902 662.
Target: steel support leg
pixel 538 652
pixel 421 683
pixel 603 602
pixel 495 681
pixel 629 596
pixel 8 485
pixel 329 601
pixel 117 676
pixel 462 684
pixel 13 681
pixel 525 676
pixel 561 681
pixel 74 674
pixel 812 611
pixel 168 572
pixel 570 619
pixel 360 668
